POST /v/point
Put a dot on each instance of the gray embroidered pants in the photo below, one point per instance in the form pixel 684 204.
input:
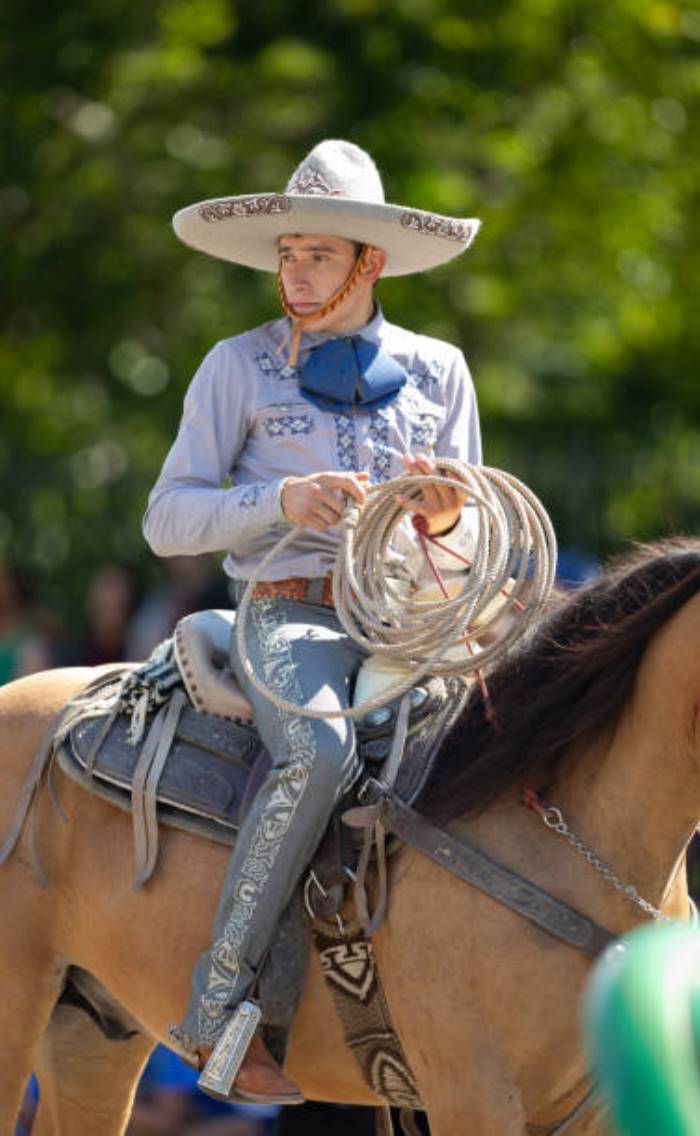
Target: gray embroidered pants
pixel 303 654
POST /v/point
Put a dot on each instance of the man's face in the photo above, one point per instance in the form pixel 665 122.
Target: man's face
pixel 313 268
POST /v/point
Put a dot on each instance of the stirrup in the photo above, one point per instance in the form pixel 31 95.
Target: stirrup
pixel 220 1072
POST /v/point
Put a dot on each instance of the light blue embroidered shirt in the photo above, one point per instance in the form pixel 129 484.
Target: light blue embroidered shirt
pixel 246 422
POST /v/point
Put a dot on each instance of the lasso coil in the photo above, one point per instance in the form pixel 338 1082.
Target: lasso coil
pixel 514 561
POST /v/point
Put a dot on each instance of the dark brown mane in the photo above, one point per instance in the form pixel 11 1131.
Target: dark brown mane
pixel 569 682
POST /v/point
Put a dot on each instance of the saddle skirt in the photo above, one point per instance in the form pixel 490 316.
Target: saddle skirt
pixel 136 739
pixel 203 781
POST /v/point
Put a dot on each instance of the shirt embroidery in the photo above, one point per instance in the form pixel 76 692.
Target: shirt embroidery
pixel 424 377
pixel 250 497
pixel 274 368
pixel 288 425
pixel 424 432
pixel 381 451
pixel 346 441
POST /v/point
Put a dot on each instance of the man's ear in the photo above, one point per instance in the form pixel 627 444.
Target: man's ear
pixel 375 263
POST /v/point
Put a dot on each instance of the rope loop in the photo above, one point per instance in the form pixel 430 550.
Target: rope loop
pixel 463 633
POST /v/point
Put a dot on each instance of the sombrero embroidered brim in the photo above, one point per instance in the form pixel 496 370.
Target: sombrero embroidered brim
pixel 335 191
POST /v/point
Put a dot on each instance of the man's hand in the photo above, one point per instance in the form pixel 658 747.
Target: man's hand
pixel 439 505
pixel 317 501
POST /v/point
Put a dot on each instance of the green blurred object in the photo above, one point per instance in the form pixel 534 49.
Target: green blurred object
pixel 642 1018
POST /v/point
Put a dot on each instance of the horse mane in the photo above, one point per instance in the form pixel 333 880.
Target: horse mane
pixel 565 685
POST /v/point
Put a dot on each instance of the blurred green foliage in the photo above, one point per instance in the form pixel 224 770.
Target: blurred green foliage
pixel 570 126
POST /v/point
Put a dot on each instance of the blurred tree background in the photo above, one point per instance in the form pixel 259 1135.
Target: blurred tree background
pixel 570 126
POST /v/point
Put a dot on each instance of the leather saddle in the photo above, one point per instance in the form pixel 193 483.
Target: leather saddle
pixel 172 740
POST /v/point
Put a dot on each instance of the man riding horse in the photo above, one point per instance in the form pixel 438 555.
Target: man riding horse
pixel 280 425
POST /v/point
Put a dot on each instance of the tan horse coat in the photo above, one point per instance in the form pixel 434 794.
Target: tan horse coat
pixel 486 1004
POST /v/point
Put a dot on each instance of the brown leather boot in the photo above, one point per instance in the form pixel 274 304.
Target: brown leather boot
pixel 260 1079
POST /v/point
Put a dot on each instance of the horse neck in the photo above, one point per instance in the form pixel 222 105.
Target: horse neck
pixel 634 796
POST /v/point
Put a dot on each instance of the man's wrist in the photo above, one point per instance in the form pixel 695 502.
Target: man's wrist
pixel 449 529
pixel 282 486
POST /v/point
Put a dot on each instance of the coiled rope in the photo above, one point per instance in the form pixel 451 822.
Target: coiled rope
pixel 514 563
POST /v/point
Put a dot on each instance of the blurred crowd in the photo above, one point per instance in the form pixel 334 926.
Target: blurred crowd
pixel 123 621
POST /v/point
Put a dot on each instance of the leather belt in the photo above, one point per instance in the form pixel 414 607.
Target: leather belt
pixel 317 590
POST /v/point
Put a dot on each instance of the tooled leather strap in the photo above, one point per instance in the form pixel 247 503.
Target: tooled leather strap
pixel 475 867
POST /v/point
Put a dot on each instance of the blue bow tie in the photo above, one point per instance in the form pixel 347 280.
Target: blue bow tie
pixel 348 372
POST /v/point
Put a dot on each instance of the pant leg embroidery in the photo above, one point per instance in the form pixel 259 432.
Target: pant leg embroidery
pixel 225 960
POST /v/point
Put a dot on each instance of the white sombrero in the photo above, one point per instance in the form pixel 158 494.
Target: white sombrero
pixel 336 191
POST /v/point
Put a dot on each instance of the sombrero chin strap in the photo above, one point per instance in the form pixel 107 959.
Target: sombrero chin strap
pixel 300 323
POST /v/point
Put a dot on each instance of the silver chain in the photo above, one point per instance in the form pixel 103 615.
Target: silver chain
pixel 553 818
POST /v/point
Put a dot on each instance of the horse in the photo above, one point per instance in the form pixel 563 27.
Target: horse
pixel 597 712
